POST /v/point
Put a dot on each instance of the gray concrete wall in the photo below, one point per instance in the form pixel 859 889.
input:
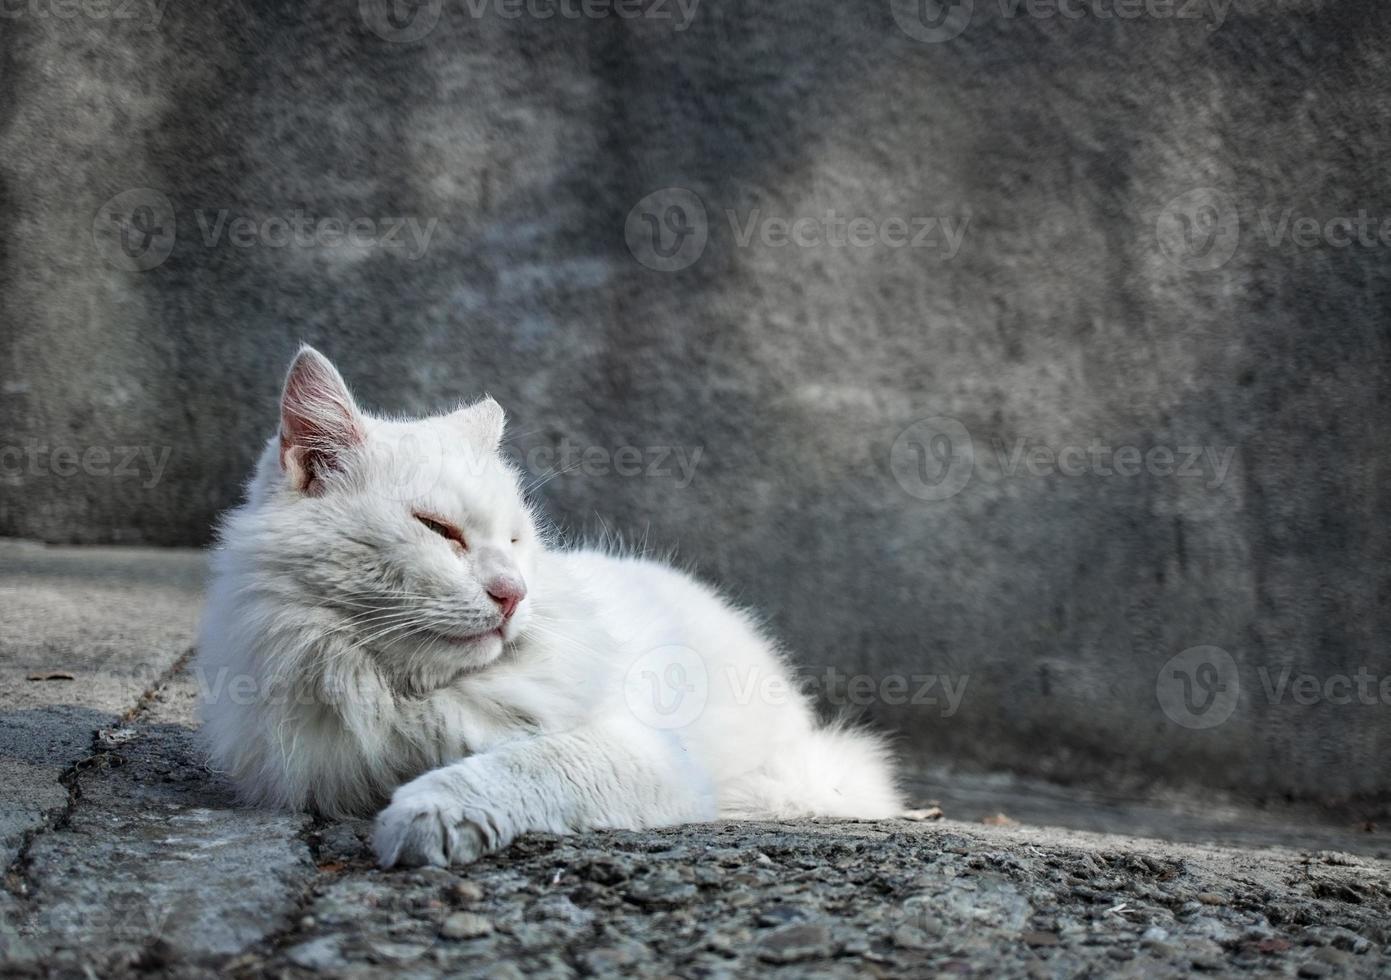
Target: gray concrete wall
pixel 1070 155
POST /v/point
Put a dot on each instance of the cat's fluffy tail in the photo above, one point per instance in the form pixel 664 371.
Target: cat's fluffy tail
pixel 836 771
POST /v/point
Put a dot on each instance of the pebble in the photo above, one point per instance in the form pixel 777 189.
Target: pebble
pixel 911 937
pixel 661 894
pixel 464 893
pixel 781 915
pixel 1351 941
pixel 1207 955
pixel 397 952
pixel 612 959
pixel 317 954
pixel 1332 956
pixel 795 942
pixel 1211 898
pixel 465 925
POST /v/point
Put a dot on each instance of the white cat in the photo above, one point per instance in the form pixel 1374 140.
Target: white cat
pixel 386 622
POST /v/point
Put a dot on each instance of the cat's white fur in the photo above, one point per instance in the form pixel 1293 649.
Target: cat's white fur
pixel 622 693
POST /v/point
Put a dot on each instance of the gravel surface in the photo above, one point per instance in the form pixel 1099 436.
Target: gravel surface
pixel 125 856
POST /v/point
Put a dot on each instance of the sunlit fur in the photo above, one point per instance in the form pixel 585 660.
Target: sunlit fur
pixel 331 681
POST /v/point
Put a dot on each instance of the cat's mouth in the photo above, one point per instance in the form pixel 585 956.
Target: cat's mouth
pixel 471 639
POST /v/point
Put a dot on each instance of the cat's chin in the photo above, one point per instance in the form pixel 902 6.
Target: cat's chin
pixel 443 660
pixel 470 650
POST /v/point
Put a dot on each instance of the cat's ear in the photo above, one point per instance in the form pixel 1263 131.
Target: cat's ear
pixel 482 423
pixel 319 421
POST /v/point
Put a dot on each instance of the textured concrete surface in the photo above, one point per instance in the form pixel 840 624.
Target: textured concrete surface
pixel 1063 153
pixel 125 856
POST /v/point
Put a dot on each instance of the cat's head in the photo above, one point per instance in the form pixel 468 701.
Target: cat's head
pixel 413 532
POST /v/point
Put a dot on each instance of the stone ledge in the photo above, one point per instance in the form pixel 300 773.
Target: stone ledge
pixel 157 869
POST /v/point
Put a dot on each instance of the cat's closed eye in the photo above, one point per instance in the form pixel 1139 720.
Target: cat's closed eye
pixel 447 531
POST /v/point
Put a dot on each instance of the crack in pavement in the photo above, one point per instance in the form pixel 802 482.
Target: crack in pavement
pixel 17 880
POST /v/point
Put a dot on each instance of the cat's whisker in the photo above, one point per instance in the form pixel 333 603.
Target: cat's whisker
pixel 547 478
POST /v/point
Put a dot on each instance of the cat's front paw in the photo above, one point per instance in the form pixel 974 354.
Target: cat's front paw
pixel 434 820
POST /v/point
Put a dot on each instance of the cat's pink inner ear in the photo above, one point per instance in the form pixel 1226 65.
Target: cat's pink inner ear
pixel 319 421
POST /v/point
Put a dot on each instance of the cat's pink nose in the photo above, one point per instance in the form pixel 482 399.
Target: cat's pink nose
pixel 507 593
